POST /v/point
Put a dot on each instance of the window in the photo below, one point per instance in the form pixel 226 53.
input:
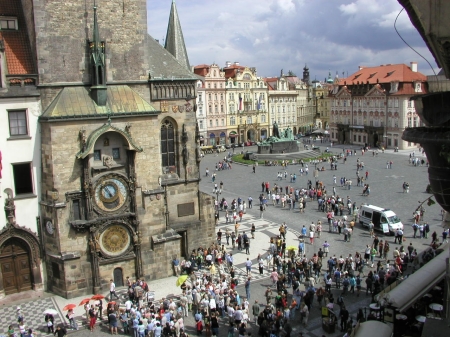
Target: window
pixel 116 153
pixel 8 24
pixel 97 155
pixel 216 109
pixel 249 120
pixel 209 96
pixel 232 121
pixel 76 209
pixel 263 118
pixel 23 181
pixel 409 122
pixel 199 97
pixel 55 270
pixel 210 109
pixel 200 110
pixel 18 123
pixel 200 125
pixel 221 108
pixel 210 123
pixel 217 122
pixel 168 146
pixel 222 122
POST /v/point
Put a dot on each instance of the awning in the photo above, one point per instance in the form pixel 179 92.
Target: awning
pixel 373 329
pixel 419 283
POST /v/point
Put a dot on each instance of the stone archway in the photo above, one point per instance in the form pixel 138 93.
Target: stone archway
pixel 19 260
pixel 251 135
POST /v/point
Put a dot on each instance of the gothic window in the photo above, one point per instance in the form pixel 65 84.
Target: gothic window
pixel 168 157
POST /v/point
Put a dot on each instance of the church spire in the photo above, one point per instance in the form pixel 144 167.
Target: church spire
pixel 98 76
pixel 174 38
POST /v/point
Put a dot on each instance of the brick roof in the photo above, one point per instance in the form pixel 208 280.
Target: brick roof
pixel 19 58
pixel 231 71
pixel 384 74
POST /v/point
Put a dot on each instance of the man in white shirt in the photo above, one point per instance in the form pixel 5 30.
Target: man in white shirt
pixel 128 305
pixel 112 290
pixel 248 266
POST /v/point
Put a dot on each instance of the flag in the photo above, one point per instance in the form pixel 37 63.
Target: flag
pixel 240 103
pixel 259 102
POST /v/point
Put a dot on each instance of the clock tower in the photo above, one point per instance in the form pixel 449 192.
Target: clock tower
pixel 120 170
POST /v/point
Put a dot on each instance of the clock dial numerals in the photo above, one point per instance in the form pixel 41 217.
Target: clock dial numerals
pixel 110 194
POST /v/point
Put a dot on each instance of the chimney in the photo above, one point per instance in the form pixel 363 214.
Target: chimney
pixel 236 63
pixel 414 66
pixel 360 67
pixel 227 64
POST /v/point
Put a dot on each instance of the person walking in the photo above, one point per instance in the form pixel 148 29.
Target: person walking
pixel 247 288
pixel 112 290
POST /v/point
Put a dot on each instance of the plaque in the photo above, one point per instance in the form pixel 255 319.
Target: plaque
pixel 115 240
pixel 186 209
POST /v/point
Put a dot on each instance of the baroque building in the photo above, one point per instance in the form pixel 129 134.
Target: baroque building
pixel 282 98
pixel 372 106
pixel 248 119
pixel 119 191
pixel 212 101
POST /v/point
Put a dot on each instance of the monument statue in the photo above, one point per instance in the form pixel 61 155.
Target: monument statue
pixel 275 131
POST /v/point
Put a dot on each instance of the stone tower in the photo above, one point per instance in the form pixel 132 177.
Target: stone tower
pixel 306 74
pixel 174 38
pixel 120 170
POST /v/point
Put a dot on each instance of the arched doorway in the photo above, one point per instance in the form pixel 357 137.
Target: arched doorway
pixel 15 266
pixel 375 140
pixel 251 135
pixel 118 277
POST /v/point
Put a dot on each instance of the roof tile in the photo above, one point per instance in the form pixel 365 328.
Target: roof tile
pixel 19 58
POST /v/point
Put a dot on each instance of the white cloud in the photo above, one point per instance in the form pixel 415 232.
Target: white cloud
pixel 275 34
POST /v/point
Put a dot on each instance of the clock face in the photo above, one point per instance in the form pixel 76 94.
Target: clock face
pixel 110 193
pixel 49 227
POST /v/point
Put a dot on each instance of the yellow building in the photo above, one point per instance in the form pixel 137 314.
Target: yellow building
pixel 246 96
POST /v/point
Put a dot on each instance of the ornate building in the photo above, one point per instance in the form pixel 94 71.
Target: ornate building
pixel 212 100
pixel 120 149
pixel 373 107
pixel 282 96
pixel 248 118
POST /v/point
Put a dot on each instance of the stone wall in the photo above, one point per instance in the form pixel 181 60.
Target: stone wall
pixel 62 172
pixel 64 27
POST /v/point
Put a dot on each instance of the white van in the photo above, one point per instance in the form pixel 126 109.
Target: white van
pixel 379 216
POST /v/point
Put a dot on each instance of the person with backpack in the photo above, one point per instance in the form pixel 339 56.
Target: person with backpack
pixel 199 327
pixel 345 284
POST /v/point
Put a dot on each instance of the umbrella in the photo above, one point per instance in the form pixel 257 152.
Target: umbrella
pixel 97 297
pixel 181 280
pixel 112 302
pixel 86 300
pixel 291 248
pixel 52 312
pixel 69 307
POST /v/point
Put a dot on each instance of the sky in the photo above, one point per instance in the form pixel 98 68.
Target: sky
pixel 333 36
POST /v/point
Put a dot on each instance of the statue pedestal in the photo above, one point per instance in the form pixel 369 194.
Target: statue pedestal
pixel 287 146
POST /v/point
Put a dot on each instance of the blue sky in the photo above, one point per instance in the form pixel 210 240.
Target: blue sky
pixel 327 35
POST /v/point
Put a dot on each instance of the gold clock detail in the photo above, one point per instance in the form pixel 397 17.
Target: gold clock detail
pixel 115 240
pixel 110 193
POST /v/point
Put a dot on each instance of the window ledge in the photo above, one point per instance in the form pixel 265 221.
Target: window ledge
pixel 18 137
pixel 25 196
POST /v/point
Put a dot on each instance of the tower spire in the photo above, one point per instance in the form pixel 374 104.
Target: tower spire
pixel 98 73
pixel 174 42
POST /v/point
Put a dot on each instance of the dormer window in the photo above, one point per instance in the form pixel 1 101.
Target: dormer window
pixel 8 23
pixel 418 87
pixel 394 87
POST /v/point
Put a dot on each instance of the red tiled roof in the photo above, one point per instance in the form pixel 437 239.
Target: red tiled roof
pixel 19 58
pixel 384 74
pixel 231 70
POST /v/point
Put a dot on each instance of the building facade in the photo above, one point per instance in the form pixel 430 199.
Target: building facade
pixel 248 119
pixel 282 96
pixel 372 106
pixel 212 98
pixel 119 188
pixel 20 161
